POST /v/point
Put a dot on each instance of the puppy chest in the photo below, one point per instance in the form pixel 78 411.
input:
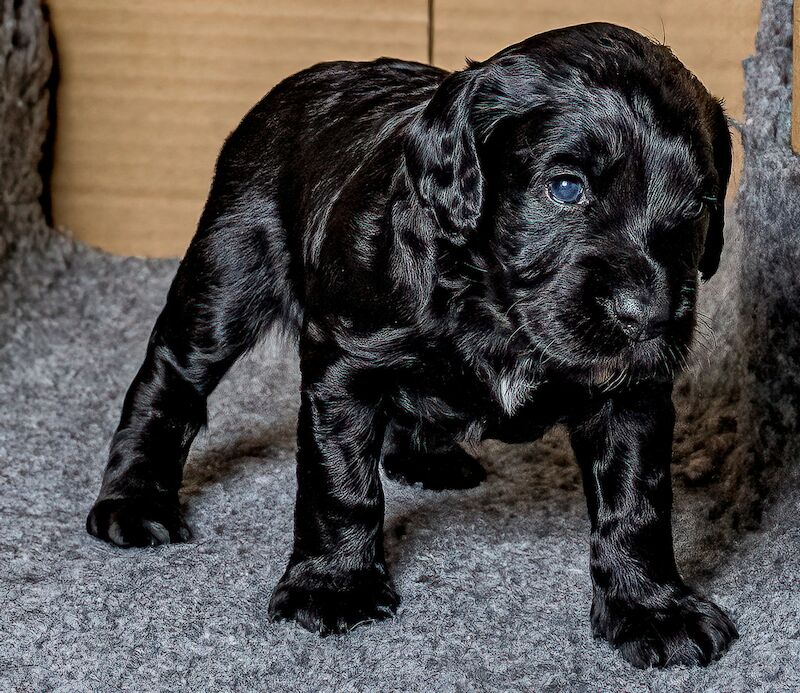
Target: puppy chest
pixel 443 410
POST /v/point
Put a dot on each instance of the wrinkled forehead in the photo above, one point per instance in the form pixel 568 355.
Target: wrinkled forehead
pixel 609 134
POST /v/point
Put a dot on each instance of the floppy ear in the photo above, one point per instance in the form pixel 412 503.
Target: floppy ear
pixel 721 144
pixel 442 159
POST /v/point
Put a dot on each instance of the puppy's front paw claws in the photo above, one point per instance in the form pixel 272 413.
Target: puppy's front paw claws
pixel 694 631
pixel 130 522
pixel 327 604
pixel 436 471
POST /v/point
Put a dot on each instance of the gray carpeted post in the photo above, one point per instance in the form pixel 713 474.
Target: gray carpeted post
pixel 769 215
pixel 25 66
pixel 739 425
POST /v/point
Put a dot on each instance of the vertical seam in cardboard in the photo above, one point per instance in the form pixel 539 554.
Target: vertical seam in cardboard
pixel 430 31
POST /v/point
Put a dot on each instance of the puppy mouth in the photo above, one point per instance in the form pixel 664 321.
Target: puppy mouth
pixel 638 360
pixel 635 361
pixel 600 354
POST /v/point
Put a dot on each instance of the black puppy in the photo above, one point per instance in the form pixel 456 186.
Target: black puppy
pixel 482 254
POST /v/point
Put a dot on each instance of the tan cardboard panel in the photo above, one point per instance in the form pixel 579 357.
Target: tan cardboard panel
pixel 150 89
pixel 711 37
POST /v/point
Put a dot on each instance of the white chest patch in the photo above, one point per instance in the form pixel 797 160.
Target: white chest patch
pixel 512 390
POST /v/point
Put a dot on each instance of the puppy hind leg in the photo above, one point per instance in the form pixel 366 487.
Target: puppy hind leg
pixel 220 303
pixel 436 465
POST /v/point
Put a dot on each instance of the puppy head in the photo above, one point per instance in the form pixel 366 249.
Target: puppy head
pixel 588 167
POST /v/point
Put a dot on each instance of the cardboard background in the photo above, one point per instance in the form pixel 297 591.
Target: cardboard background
pixel 711 37
pixel 150 89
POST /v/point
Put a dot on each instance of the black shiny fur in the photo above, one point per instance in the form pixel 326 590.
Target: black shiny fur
pixel 396 217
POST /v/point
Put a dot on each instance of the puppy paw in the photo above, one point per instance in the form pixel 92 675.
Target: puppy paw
pixel 436 471
pixel 693 631
pixel 141 521
pixel 327 604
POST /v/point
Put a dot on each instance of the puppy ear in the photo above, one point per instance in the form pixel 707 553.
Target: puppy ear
pixel 721 145
pixel 442 158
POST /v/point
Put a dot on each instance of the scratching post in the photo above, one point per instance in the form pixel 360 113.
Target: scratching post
pixel 769 215
pixel 738 432
pixel 25 67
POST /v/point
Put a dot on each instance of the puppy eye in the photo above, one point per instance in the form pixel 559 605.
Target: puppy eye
pixel 696 209
pixel 567 190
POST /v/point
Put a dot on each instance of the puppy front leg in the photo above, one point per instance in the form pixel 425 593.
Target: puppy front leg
pixel 337 577
pixel 641 604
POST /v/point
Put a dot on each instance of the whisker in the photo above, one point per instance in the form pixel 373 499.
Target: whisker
pixel 514 305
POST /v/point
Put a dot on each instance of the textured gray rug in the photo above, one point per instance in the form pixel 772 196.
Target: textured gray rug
pixel 494 580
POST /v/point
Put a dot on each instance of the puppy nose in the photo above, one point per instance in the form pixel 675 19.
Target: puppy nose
pixel 639 314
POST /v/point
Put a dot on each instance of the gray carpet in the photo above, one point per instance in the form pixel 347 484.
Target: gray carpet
pixel 494 581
